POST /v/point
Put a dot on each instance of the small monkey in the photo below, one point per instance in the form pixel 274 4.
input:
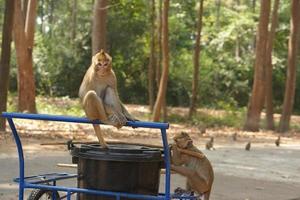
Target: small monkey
pixel 210 144
pixel 234 136
pixel 248 146
pixel 193 164
pixel 277 141
pixel 99 95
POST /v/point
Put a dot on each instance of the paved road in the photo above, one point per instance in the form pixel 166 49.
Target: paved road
pixel 265 173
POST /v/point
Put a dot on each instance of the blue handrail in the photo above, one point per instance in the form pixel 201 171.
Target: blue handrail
pixel 134 124
pixel 61 118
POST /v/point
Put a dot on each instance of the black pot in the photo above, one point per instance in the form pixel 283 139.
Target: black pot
pixel 121 168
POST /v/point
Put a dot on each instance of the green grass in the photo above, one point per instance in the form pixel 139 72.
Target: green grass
pixel 51 105
pixel 228 119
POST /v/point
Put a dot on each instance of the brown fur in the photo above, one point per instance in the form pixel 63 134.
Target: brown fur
pixel 197 169
pixel 210 144
pixel 99 95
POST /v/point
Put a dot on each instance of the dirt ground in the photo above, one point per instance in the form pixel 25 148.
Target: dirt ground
pixel 266 172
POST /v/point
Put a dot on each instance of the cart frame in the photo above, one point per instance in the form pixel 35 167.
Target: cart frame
pixel 38 181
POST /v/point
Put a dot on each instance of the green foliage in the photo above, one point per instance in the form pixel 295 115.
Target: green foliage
pixel 227 51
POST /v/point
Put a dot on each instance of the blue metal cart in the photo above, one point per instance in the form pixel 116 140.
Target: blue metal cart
pixel 38 181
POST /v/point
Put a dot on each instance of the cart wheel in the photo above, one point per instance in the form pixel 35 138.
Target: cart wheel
pixel 39 194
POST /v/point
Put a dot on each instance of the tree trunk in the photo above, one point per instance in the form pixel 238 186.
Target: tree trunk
pixel 5 57
pixel 193 106
pixel 23 38
pixel 152 62
pixel 254 37
pixel 74 20
pixel 269 69
pixel 24 9
pixel 99 26
pixel 159 45
pixel 257 98
pixel 161 96
pixel 290 84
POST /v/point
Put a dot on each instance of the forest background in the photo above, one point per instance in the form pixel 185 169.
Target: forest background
pixel 132 35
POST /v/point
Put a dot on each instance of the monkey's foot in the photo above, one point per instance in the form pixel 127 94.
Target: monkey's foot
pixel 104 146
pixel 183 192
pixel 117 120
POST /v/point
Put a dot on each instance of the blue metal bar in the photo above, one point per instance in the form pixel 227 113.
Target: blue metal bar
pixel 53 194
pixel 46 178
pixel 94 192
pixel 167 163
pixel 69 195
pixel 133 124
pixel 21 157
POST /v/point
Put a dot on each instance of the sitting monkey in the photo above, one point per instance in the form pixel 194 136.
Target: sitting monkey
pixel 99 95
pixel 190 162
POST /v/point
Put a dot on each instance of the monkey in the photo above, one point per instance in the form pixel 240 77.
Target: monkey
pixel 248 146
pixel 193 165
pixel 210 144
pixel 277 141
pixel 202 130
pixel 234 136
pixel 99 95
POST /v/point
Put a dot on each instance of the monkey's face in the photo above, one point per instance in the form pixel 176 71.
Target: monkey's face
pixel 183 140
pixel 101 63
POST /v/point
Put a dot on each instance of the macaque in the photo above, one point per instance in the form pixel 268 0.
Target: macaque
pixel 234 136
pixel 277 141
pixel 99 95
pixel 190 162
pixel 210 144
pixel 248 146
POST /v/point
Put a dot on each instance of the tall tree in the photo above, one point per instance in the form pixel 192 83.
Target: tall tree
pixel 24 41
pixel 257 97
pixel 152 62
pixel 5 57
pixel 196 61
pixel 99 26
pixel 74 19
pixel 159 44
pixel 290 84
pixel 161 96
pixel 269 68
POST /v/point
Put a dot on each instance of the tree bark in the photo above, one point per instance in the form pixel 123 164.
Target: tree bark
pixel 269 68
pixel 23 38
pixel 5 58
pixel 74 20
pixel 161 96
pixel 24 9
pixel 290 84
pixel 99 26
pixel 257 98
pixel 197 50
pixel 152 62
pixel 159 45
